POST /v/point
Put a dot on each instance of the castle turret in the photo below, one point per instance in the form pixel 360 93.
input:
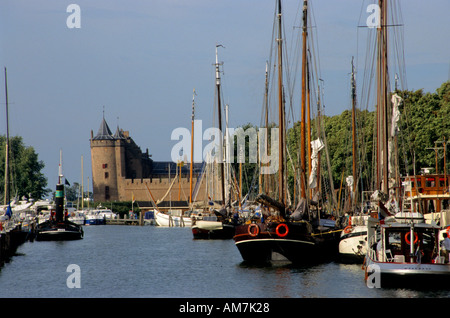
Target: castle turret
pixel 104 164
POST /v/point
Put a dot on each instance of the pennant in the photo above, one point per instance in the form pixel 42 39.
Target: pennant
pixel 8 211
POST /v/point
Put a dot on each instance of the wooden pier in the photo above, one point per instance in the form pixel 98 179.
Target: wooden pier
pixel 123 222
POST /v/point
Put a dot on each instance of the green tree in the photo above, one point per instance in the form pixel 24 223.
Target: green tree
pixel 423 125
pixel 26 178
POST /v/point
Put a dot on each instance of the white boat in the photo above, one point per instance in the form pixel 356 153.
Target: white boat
pixel 77 217
pixel 406 253
pixel 172 219
pixel 93 218
pixel 105 213
pixel 354 238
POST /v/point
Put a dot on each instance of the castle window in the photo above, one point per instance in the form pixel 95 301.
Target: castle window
pixel 106 192
pixel 105 165
pixel 106 175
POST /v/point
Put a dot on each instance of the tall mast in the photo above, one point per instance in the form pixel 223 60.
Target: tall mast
pixel 308 115
pixel 6 199
pixel 266 104
pixel 192 148
pixel 303 115
pixel 280 112
pixel 219 108
pixel 382 102
pixel 354 134
pixel 82 185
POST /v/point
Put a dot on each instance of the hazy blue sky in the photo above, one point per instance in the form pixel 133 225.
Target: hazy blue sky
pixel 142 59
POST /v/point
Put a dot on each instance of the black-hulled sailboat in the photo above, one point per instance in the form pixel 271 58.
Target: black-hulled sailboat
pixel 58 227
pixel 303 237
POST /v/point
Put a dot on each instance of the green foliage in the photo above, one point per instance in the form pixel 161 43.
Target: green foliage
pixel 26 178
pixel 249 169
pixel 424 124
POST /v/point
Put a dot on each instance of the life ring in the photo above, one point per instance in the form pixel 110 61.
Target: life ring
pixel 348 229
pixel 250 229
pixel 283 233
pixel 416 238
pixel 448 231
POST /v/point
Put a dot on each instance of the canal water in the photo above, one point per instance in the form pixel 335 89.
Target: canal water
pixel 114 261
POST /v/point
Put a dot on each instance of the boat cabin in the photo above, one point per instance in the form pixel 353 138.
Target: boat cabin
pixel 406 238
pixel 429 192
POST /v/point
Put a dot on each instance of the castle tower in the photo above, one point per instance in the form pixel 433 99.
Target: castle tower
pixel 116 158
pixel 106 164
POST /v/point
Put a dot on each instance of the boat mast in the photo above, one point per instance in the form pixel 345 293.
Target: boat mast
pixel 266 102
pixel 6 198
pixel 82 185
pixel 280 112
pixel 219 107
pixel 354 135
pixel 303 115
pixel 192 149
pixel 382 102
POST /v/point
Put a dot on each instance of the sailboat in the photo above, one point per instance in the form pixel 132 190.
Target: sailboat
pixel 58 227
pixel 168 219
pixel 212 223
pixel 303 237
pixel 361 223
pixel 12 235
pixel 405 250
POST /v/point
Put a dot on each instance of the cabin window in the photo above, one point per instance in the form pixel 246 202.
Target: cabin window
pixel 430 183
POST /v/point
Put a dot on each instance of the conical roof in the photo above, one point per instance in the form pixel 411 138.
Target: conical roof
pixel 104 133
pixel 119 134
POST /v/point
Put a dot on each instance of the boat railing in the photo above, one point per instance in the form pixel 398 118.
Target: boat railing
pixel 372 248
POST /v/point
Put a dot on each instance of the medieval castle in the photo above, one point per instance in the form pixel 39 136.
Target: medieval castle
pixel 122 172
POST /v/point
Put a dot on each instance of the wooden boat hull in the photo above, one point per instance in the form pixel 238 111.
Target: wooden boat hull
pixel 298 245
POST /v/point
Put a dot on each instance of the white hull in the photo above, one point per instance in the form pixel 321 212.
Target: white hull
pixel 166 220
pixel 353 242
pixel 406 253
pixel 80 220
pixel 208 225
pixel 386 274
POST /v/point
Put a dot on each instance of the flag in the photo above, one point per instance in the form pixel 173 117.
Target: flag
pixel 67 182
pixel 8 211
pixel 132 198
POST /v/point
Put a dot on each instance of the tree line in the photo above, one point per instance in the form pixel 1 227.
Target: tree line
pixel 424 126
pixel 424 129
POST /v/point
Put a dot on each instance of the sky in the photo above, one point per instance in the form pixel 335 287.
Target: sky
pixel 137 62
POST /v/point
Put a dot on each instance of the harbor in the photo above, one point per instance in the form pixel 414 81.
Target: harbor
pixel 272 197
pixel 153 262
